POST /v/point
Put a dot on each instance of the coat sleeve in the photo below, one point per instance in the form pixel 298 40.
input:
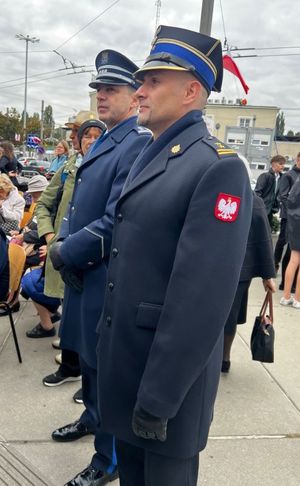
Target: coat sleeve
pixel 13 207
pixel 43 209
pixel 284 189
pixel 91 244
pixel 200 292
pixel 260 185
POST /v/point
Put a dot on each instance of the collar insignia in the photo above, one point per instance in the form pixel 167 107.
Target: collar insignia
pixel 175 149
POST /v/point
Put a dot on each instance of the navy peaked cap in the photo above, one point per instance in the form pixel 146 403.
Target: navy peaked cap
pixel 114 68
pixel 179 49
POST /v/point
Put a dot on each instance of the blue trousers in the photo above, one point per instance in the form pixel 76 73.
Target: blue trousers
pixel 105 457
pixel 141 467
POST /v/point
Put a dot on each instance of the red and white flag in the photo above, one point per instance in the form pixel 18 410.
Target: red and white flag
pixel 230 65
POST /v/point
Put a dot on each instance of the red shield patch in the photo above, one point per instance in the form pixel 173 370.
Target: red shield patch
pixel 227 207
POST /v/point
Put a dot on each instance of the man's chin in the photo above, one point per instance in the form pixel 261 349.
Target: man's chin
pixel 143 120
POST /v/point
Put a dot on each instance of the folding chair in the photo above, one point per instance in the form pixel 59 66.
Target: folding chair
pixel 27 216
pixel 17 257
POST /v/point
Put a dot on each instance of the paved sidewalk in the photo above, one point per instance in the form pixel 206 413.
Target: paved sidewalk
pixel 254 440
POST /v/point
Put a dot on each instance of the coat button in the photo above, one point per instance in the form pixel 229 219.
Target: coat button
pixel 73 208
pixel 108 321
pixel 111 286
pixel 119 217
pixel 115 252
pixel 79 180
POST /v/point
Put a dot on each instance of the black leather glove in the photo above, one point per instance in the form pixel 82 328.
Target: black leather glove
pixel 147 426
pixel 55 255
pixel 72 278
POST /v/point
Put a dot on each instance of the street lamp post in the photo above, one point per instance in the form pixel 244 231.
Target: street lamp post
pixel 27 39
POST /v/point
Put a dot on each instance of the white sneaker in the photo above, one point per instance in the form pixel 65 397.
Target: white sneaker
pixel 284 301
pixel 296 304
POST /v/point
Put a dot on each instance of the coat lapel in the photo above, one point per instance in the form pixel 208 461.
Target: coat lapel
pixel 159 164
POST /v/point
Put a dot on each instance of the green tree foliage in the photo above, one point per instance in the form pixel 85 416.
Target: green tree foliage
pixel 48 121
pixel 280 124
pixel 10 124
pixel 33 124
pixel 290 133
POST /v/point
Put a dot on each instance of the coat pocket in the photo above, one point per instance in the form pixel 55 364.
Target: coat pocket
pixel 148 315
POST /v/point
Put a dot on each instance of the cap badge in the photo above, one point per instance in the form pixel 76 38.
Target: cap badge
pixel 104 57
pixel 227 207
pixel 176 148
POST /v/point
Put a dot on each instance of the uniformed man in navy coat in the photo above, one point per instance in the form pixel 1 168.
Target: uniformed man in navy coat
pixel 82 256
pixel 179 240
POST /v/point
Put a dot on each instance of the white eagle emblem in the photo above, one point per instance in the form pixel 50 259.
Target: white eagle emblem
pixel 227 208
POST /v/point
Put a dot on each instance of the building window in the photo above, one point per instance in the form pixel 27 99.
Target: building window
pixel 245 122
pixel 260 140
pixel 236 138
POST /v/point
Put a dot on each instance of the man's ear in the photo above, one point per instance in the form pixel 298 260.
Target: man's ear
pixel 193 91
pixel 134 101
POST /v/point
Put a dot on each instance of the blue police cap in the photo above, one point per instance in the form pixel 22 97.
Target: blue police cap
pixel 114 68
pixel 179 49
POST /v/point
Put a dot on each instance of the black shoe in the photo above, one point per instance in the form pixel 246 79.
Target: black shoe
pixel 14 308
pixel 39 332
pixel 71 432
pixel 56 317
pixel 77 397
pixel 58 378
pixel 281 287
pixel 225 366
pixel 92 477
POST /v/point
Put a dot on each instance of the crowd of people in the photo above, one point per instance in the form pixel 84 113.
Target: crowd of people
pixel 117 252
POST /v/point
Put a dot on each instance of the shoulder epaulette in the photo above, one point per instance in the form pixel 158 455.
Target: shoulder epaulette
pixel 219 147
pixel 143 130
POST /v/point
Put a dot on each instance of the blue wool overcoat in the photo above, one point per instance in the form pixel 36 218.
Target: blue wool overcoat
pixel 178 245
pixel 87 230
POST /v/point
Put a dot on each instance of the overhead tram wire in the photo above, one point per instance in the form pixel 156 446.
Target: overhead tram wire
pixel 43 74
pixel 86 25
pixel 45 79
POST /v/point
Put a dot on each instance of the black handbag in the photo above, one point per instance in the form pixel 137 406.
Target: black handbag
pixel 263 334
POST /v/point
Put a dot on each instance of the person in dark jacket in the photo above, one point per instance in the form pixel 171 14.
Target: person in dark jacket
pixel 267 185
pixel 286 183
pixel 10 166
pixel 258 262
pixel 82 255
pixel 293 235
pixel 179 240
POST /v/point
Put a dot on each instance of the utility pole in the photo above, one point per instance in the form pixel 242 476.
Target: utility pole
pixel 158 7
pixel 206 16
pixel 42 121
pixel 27 39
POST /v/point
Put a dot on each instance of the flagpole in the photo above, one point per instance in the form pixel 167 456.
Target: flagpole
pixel 206 16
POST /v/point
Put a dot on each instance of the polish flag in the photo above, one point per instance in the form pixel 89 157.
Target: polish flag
pixel 230 65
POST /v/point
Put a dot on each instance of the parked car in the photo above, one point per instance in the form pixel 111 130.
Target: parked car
pixel 41 165
pixel 36 167
pixel 25 160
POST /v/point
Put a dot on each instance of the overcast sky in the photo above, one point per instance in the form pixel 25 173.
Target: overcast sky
pixel 128 26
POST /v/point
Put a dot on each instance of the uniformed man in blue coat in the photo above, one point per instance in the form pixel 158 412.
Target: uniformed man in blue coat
pixel 82 255
pixel 179 241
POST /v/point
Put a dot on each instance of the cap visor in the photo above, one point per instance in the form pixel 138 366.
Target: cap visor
pixel 155 65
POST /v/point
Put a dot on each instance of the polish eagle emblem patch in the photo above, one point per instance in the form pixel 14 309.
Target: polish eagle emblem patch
pixel 227 207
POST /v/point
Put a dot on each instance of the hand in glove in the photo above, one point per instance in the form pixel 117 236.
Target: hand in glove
pixel 55 255
pixel 72 278
pixel 147 426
